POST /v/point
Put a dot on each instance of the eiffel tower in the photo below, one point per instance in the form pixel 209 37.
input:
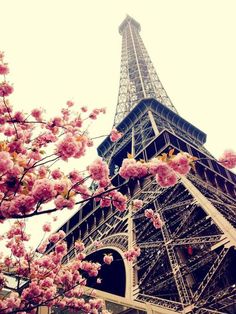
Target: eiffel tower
pixel 189 265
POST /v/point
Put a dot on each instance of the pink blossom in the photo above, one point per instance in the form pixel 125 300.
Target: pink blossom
pixel 93 116
pixel 156 220
pixel 5 162
pixel 132 254
pixel 98 244
pixel 42 171
pixel 78 122
pixel 21 204
pixel 67 148
pixel 90 143
pixel 42 247
pixel 61 202
pixel 115 135
pixel 98 170
pixel 167 180
pixel 103 183
pixel 137 204
pixel 37 114
pixel 84 109
pixel 19 117
pixel 61 186
pixel 56 174
pixel 108 259
pixel 9 131
pixel 131 168
pixel 1 55
pixel 149 213
pixel 5 89
pixel 70 103
pixel 105 202
pixel 158 167
pixel 61 248
pixel 71 147
pixel 54 237
pixel 47 227
pixel 103 110
pixel 43 190
pixel 83 190
pixel 4 69
pixel 180 164
pixel 57 121
pixel 79 246
pixel 228 159
pixel 96 111
pixel 119 201
pixel 46 138
pixel 75 176
pixel 128 168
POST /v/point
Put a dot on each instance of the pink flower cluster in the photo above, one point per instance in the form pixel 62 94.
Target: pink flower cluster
pixel 131 168
pixel 115 135
pixel 5 89
pixel 119 200
pixel 132 254
pixel 228 159
pixel 79 246
pixel 47 227
pixel 37 114
pixel 6 162
pixel 155 218
pixel 71 146
pixel 137 204
pixel 4 69
pixel 98 170
pixel 164 171
pixel 180 164
pixel 108 259
pixel 93 115
pixel 62 202
pixel 43 190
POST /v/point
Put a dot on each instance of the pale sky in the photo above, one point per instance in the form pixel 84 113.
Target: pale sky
pixel 70 49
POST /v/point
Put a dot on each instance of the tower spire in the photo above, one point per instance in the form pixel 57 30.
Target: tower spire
pixel 138 78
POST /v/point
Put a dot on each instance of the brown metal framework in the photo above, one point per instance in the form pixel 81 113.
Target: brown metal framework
pixel 187 266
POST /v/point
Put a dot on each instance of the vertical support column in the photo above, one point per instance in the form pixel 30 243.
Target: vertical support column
pixel 131 279
pixel 133 143
pixel 153 123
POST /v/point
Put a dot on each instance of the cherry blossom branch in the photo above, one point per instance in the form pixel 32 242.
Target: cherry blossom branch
pixel 49 211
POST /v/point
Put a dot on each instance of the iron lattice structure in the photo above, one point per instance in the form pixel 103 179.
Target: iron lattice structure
pixel 187 266
pixel 138 77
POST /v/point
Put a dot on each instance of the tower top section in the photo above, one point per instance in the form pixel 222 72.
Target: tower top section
pixel 129 20
pixel 138 77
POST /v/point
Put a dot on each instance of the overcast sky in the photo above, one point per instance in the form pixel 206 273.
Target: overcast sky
pixel 70 49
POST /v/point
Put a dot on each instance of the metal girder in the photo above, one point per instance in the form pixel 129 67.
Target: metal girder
pixel 177 306
pixel 183 291
pixel 145 245
pixel 152 265
pixel 210 274
pixel 207 310
pixel 197 240
pixel 218 297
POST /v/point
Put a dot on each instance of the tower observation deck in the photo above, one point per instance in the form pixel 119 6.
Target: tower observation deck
pixel 187 266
